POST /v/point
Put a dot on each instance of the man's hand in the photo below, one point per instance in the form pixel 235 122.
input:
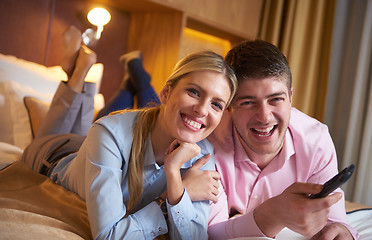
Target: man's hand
pixel 333 231
pixel 295 210
pixel 201 184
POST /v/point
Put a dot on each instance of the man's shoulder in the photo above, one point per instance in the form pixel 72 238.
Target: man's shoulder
pixel 307 129
pixel 302 121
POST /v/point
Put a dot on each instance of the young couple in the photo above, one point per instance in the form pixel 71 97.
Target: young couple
pixel 150 172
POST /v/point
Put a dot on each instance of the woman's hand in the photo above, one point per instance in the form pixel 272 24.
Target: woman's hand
pixel 176 155
pixel 201 184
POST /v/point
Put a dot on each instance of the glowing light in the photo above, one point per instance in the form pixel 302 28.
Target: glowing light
pixel 99 17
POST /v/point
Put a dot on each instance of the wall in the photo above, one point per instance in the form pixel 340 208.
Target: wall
pixel 32 30
pixel 235 18
pixel 157 28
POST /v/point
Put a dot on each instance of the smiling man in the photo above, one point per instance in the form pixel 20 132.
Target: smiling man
pixel 271 157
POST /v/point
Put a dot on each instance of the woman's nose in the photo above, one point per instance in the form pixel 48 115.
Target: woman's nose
pixel 201 109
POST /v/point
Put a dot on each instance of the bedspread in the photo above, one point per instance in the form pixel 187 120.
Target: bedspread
pixel 33 207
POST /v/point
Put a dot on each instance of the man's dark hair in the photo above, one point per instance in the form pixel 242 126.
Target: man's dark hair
pixel 258 59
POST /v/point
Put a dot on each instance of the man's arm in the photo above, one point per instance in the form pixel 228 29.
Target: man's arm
pixel 220 226
pixel 292 209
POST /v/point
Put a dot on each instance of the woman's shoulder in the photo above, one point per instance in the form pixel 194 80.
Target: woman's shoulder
pixel 125 116
pixel 120 122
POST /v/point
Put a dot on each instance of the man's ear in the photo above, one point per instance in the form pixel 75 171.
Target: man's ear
pixel 164 94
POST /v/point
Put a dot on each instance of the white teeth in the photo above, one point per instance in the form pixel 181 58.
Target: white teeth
pixel 264 130
pixel 192 123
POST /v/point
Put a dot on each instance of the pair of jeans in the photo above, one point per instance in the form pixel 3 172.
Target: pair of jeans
pixel 124 98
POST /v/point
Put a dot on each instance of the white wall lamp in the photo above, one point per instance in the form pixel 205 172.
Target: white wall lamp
pixel 98 17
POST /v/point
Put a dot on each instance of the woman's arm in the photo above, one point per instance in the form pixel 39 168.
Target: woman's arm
pixel 105 194
pixel 187 219
pixel 177 154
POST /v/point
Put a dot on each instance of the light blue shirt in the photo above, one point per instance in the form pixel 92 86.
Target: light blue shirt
pixel 98 174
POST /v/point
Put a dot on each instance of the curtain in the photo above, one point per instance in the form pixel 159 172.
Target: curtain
pixel 349 102
pixel 302 30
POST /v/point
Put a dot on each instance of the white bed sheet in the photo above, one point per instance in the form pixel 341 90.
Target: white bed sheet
pixel 360 220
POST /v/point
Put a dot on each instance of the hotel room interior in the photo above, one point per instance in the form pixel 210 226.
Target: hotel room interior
pixel 328 45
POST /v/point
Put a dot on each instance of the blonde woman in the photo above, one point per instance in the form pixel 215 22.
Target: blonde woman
pixel 129 167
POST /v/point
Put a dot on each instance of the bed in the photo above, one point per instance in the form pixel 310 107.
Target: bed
pixel 33 207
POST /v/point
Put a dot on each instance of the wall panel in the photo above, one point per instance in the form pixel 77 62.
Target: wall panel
pixel 24 28
pixel 109 48
pixel 32 30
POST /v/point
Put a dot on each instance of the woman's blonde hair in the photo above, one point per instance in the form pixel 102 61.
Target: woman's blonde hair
pixel 199 61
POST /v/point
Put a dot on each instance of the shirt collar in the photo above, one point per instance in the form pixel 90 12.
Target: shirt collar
pixel 149 156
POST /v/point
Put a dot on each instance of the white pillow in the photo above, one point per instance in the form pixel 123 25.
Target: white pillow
pixel 14 122
pixel 19 78
pixel 42 79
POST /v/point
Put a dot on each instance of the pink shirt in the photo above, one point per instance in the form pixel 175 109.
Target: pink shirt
pixel 308 155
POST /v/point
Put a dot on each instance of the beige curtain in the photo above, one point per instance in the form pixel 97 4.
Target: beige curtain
pixel 302 29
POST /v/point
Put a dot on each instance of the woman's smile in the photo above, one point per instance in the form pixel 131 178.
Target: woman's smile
pixel 194 124
pixel 194 107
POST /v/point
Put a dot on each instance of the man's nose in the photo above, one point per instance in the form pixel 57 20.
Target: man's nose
pixel 263 113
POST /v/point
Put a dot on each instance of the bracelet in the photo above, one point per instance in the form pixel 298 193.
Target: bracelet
pixel 163 206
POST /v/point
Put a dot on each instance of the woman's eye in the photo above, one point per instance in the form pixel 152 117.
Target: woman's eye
pixel 218 106
pixel 193 91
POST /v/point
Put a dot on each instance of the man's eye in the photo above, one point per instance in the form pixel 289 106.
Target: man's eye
pixel 278 99
pixel 247 103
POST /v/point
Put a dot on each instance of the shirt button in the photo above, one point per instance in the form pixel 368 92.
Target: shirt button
pixel 180 219
pixel 178 212
pixel 255 196
pixel 159 229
